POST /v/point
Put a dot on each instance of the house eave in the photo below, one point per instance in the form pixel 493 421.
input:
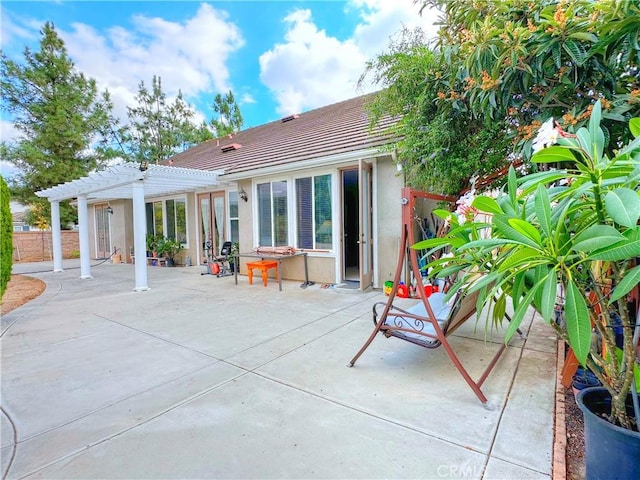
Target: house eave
pixel 306 164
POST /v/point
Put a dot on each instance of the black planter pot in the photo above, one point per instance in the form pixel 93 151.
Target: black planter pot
pixel 611 452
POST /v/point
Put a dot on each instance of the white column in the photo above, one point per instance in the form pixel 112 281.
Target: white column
pixel 83 224
pixel 139 236
pixel 56 238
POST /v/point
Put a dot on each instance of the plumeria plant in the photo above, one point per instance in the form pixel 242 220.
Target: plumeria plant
pixel 566 238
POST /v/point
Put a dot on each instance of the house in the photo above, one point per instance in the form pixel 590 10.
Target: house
pixel 320 181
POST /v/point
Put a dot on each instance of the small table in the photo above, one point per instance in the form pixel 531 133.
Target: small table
pixel 278 259
pixel 263 266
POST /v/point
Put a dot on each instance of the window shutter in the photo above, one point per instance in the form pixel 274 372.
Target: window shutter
pixel 304 212
pixel 264 214
pixel 322 203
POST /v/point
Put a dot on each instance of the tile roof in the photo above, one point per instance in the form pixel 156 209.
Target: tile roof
pixel 331 130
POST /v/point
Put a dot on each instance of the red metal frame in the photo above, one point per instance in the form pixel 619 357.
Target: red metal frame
pixel 409 197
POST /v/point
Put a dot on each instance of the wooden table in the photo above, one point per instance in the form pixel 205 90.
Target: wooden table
pixel 263 266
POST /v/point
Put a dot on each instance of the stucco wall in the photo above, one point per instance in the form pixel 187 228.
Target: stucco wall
pixel 37 246
pixel 389 218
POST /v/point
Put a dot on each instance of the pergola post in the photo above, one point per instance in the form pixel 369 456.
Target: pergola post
pixel 56 239
pixel 83 234
pixel 139 236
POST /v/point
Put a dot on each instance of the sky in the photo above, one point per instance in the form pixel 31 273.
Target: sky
pixel 277 57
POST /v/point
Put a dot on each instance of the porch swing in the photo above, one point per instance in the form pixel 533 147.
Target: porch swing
pixel 429 322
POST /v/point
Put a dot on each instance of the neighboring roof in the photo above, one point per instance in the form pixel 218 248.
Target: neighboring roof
pixel 18 217
pixel 116 181
pixel 327 131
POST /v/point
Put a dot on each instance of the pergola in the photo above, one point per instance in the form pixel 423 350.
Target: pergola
pixel 125 181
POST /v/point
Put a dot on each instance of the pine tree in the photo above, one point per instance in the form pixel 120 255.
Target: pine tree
pixel 159 128
pixel 229 116
pixel 59 114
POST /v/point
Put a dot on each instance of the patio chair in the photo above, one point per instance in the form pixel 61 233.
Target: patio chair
pixel 429 322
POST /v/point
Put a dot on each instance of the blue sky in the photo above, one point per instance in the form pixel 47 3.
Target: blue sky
pixel 278 57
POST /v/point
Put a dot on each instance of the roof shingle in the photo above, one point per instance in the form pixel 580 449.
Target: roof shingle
pixel 334 129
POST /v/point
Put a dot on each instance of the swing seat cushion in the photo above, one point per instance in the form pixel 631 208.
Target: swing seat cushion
pixel 441 309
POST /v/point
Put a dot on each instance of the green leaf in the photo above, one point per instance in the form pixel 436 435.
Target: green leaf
pixel 578 322
pixel 543 210
pixel 518 315
pixel 620 251
pixel 596 133
pixel 584 139
pixel 634 126
pixel 444 214
pixel 513 185
pixel 549 293
pixel 623 205
pixel 553 154
pixel 500 308
pixel 596 237
pixel 487 204
pixel 522 255
pixel 527 229
pixel 596 116
pixel 630 280
pixel 502 225
pixel 576 51
pixel 584 37
pixel 431 243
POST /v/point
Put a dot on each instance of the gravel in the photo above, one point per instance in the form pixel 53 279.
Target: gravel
pixel 575 438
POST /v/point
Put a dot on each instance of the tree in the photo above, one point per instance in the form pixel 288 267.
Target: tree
pixel 229 117
pixel 439 150
pixel 59 114
pixel 6 237
pixel 159 128
pixel 523 61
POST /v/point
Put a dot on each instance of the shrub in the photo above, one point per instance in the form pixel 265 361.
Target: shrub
pixel 6 237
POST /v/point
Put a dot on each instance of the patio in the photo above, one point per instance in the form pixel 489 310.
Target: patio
pixel 200 378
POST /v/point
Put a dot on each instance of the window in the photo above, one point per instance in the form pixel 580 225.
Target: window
pixel 168 218
pixel 313 212
pixel 233 216
pixel 177 220
pixel 272 214
pixel 154 218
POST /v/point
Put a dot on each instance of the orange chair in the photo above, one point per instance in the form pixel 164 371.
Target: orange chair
pixel 263 266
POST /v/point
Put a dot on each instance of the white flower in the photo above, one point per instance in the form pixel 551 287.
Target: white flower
pixel 547 136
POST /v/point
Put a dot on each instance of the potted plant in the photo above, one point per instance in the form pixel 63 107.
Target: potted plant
pixel 152 245
pixel 169 248
pixel 566 238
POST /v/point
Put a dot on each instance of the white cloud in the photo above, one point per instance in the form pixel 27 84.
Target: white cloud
pixel 310 69
pixel 17 28
pixel 8 131
pixel 246 98
pixel 381 19
pixel 189 55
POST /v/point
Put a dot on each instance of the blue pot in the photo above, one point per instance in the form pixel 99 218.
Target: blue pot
pixel 611 452
pixel 584 378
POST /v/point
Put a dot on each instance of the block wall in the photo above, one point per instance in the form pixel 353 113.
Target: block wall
pixel 37 246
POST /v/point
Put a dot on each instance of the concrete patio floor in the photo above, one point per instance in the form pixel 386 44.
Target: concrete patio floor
pixel 200 378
